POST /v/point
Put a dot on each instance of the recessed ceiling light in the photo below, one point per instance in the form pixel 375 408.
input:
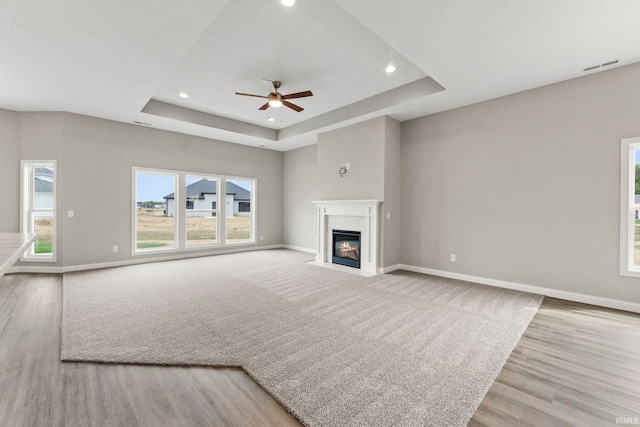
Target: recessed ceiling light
pixel 288 3
pixel 271 119
pixel 184 95
pixel 390 68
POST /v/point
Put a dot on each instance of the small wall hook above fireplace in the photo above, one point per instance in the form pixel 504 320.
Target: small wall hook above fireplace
pixel 343 170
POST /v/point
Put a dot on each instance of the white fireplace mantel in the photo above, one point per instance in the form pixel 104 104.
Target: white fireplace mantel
pixel 356 215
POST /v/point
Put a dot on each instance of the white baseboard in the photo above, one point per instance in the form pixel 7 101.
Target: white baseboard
pixel 554 293
pixel 122 263
pixel 299 248
pixel 35 269
pixel 390 268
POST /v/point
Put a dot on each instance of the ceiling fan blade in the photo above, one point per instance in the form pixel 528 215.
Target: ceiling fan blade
pixel 264 107
pixel 250 94
pixel 292 106
pixel 298 95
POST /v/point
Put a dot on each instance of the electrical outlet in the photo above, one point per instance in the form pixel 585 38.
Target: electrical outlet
pixel 388 215
pixel 261 237
pixel 70 214
pixel 453 257
pixel 115 248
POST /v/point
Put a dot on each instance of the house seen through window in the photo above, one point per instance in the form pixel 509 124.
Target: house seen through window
pixel 182 210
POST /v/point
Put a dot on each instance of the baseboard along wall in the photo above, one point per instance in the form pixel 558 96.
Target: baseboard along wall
pixel 555 293
pixel 122 263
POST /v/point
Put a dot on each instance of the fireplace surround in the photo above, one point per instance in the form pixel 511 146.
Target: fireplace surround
pixel 353 215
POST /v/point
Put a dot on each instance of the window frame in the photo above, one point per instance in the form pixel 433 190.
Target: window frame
pixel 180 214
pixel 253 211
pixel 217 179
pixel 134 213
pixel 628 207
pixel 27 202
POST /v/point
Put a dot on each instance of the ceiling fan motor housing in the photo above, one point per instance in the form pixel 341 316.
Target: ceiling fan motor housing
pixel 275 96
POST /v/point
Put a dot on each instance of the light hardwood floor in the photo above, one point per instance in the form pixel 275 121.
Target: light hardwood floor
pixel 575 365
pixel 36 389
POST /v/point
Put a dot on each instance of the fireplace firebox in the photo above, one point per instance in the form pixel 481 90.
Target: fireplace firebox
pixel 346 248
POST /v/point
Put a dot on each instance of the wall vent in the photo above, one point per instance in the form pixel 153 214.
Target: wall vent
pixel 606 64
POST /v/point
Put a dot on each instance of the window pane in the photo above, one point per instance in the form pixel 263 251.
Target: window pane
pixel 239 212
pixel 201 230
pixel 43 227
pixel 43 188
pixel 155 211
pixel 201 198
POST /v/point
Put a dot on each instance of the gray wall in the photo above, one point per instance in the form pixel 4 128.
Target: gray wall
pixel 392 194
pixel 524 188
pixel 95 158
pixel 361 145
pixel 9 167
pixel 299 188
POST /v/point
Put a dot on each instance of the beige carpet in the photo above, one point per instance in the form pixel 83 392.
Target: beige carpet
pixel 335 349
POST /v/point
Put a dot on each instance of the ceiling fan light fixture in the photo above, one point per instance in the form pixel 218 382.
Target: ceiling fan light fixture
pixel 275 100
pixel 288 3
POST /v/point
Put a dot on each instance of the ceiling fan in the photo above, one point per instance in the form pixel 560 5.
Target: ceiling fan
pixel 276 99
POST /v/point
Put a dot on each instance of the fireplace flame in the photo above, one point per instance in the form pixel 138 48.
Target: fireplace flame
pixel 345 249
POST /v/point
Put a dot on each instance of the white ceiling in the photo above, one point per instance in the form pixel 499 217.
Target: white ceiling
pixel 128 61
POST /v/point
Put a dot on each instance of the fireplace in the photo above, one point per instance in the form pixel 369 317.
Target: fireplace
pixel 356 215
pixel 346 248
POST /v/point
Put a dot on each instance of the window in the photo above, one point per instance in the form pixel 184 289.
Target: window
pixel 38 208
pixel 244 206
pixel 179 210
pixel 239 220
pixel 202 224
pixel 630 208
pixel 155 210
